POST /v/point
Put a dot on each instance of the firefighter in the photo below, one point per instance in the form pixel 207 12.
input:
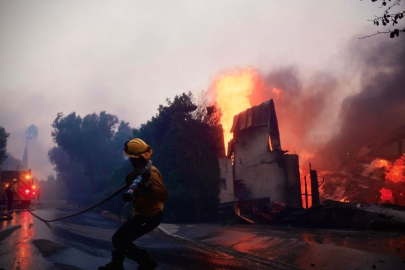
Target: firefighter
pixel 10 191
pixel 147 210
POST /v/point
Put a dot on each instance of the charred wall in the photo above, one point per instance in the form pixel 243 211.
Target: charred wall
pixel 260 169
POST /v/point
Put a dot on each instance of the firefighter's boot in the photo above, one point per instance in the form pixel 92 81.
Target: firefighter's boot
pixel 142 257
pixel 115 264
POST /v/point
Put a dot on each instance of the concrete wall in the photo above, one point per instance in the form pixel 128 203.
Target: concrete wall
pixel 227 194
pixel 258 169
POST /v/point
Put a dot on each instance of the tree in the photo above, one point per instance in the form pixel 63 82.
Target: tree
pixel 3 144
pixel 88 149
pixel 186 154
pixel 31 133
pixel 391 14
pixel 70 172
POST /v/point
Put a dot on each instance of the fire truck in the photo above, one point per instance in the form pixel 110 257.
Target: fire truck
pixel 26 190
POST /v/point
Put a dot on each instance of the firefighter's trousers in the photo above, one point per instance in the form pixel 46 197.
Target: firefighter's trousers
pixel 132 229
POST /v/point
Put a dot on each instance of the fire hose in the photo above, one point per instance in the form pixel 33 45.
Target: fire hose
pixel 85 210
pixel 127 197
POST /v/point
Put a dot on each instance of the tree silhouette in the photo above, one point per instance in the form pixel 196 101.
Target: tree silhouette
pixel 3 144
pixel 31 133
pixel 185 149
pixel 390 15
pixel 90 146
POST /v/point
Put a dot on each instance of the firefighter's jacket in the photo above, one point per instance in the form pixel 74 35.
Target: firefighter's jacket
pixel 150 202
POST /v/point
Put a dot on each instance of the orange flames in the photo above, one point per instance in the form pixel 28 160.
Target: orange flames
pixel 303 176
pixel 394 171
pixel 381 163
pixel 232 96
pixel 386 195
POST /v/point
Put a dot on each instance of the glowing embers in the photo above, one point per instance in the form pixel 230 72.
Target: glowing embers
pixel 386 195
pixel 381 163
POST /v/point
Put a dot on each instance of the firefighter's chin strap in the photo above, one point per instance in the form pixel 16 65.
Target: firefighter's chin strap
pixel 85 210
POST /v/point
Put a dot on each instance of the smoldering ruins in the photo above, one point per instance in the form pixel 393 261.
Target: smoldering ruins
pixel 357 179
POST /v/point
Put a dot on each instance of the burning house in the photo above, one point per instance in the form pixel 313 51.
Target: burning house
pixel 260 180
pixel 374 175
pixel 256 167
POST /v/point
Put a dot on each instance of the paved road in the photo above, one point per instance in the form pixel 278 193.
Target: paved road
pixel 303 248
pixel 83 242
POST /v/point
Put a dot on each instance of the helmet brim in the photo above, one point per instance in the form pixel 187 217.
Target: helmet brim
pixel 146 155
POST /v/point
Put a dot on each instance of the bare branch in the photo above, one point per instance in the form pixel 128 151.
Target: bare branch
pixel 395 32
pixel 387 18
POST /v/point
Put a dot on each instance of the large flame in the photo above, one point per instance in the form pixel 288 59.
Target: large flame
pixel 394 171
pixel 232 97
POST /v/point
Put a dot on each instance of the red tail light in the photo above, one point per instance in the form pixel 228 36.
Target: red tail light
pixel 27 191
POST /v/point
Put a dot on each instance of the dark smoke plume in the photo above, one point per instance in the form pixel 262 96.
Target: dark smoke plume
pixel 326 124
pixel 300 108
pixel 380 105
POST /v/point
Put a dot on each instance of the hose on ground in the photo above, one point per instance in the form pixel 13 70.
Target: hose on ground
pixel 83 211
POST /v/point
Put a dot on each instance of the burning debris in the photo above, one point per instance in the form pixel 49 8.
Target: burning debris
pixel 375 175
pixel 311 127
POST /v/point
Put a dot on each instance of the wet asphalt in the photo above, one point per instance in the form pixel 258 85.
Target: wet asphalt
pixel 83 242
pixel 303 248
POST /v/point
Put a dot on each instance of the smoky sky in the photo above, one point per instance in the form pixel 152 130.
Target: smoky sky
pixel 127 57
pixel 322 118
pixel 379 107
pixel 305 107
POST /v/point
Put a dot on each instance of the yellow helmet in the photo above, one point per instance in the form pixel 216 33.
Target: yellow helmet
pixel 136 148
pixel 14 180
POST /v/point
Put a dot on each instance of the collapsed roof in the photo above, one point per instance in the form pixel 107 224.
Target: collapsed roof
pixel 260 115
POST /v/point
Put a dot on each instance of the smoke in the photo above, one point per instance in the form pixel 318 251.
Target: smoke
pixel 379 106
pixel 328 117
pixel 328 124
pixel 302 108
